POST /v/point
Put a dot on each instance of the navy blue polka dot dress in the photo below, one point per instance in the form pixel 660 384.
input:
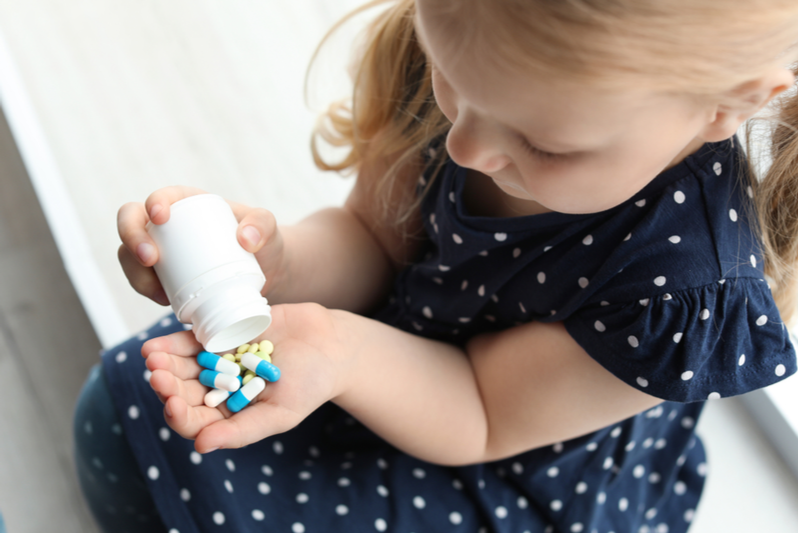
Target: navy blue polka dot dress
pixel 665 291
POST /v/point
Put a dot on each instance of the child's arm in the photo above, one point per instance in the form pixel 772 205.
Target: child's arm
pixel 347 258
pixel 511 391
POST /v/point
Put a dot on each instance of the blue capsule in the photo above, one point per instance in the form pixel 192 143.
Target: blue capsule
pixel 218 380
pixel 245 395
pixel 217 363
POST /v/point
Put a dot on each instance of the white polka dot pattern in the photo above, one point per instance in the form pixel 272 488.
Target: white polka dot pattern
pixel 581 272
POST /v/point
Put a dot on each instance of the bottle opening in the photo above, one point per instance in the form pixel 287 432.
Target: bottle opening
pixel 231 314
pixel 237 334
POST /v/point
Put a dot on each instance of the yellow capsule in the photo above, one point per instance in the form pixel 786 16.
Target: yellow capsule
pixel 266 347
pixel 247 377
pixel 253 348
pixel 229 357
pixel 242 369
pixel 243 348
pixel 238 357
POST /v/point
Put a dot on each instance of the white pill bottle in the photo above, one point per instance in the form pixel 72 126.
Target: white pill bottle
pixel 211 281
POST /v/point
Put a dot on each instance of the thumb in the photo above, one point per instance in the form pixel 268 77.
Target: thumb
pixel 252 424
pixel 255 229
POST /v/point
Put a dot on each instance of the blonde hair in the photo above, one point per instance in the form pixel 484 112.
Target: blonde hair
pixel 392 113
pixel 775 196
pixel 697 47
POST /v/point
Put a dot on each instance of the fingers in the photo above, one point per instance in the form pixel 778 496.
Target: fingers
pixel 257 227
pixel 253 423
pixel 133 217
pixel 157 204
pixel 167 385
pixel 180 367
pixel 181 343
pixel 138 252
pixel 188 420
pixel 142 279
pixel 131 222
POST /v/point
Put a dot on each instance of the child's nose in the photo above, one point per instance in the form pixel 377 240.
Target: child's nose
pixel 474 144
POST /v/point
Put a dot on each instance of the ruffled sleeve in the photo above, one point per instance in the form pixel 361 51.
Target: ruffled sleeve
pixel 718 340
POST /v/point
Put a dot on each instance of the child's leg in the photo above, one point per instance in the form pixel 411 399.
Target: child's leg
pixel 110 479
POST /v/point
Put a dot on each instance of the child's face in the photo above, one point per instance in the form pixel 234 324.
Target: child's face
pixel 555 145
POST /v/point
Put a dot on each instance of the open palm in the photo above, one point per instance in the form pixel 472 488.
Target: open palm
pixel 306 353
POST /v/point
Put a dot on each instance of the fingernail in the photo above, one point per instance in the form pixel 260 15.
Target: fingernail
pixel 167 411
pixel 161 297
pixel 156 209
pixel 145 251
pixel 212 450
pixel 251 235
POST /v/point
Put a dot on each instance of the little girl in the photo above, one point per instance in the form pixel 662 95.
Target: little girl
pixel 553 255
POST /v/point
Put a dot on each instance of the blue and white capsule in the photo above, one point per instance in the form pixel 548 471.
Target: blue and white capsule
pixel 262 368
pixel 214 397
pixel 217 363
pixel 218 380
pixel 245 395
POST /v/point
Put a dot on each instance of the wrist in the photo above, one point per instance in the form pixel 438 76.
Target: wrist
pixel 344 351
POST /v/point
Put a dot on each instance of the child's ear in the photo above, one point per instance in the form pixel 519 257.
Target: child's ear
pixel 744 101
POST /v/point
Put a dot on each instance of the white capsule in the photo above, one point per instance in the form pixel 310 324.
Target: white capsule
pixel 214 397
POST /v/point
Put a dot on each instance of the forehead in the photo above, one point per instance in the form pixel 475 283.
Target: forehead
pixel 540 105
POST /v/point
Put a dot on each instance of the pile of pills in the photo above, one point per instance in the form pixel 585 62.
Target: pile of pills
pixel 237 377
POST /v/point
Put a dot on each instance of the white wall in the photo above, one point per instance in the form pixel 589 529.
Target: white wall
pixel 130 96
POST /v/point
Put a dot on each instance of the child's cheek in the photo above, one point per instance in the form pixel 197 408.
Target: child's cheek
pixel 444 96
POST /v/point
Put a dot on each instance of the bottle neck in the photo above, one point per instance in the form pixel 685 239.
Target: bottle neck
pixel 231 314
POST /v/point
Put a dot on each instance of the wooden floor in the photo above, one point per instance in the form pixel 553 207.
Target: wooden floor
pixel 46 349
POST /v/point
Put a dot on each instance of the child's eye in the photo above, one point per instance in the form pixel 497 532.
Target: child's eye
pixel 536 152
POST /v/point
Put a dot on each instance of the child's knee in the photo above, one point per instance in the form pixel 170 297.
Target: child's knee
pixel 96 426
pixel 94 405
pixel 101 449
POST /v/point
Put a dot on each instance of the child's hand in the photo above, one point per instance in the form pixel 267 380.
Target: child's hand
pixel 257 233
pixel 306 353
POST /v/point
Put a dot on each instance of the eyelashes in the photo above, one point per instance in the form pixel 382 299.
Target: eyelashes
pixel 536 153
